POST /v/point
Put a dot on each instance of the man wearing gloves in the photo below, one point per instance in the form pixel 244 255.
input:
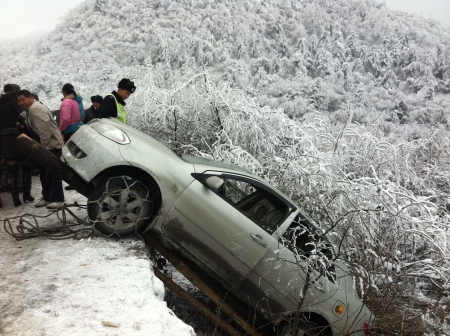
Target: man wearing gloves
pixel 114 104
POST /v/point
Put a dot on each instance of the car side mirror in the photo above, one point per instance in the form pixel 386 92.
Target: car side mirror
pixel 214 183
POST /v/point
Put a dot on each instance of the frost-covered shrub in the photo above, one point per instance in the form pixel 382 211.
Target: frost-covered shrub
pixel 383 204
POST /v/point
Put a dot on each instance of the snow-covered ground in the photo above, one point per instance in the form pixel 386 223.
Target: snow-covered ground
pixel 92 286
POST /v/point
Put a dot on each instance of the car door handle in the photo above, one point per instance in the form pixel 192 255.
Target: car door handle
pixel 258 239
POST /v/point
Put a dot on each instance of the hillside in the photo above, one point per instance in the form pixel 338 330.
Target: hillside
pixel 302 56
pixel 344 105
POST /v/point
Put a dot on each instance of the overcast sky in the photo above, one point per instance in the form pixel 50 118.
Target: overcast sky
pixel 437 9
pixel 22 17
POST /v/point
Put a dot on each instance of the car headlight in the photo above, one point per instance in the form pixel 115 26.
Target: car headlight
pixel 111 132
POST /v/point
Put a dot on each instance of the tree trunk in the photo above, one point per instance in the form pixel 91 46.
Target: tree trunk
pixel 195 279
pixel 186 297
pixel 48 160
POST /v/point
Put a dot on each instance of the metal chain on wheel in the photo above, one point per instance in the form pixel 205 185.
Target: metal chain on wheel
pixel 101 201
pixel 29 227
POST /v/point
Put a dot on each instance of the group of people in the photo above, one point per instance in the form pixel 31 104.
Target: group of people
pixel 21 111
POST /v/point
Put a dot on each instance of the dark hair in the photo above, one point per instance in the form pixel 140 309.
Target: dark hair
pixel 97 99
pixel 35 96
pixel 69 89
pixel 11 88
pixel 25 93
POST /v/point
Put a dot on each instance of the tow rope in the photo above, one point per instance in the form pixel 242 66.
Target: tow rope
pixel 29 227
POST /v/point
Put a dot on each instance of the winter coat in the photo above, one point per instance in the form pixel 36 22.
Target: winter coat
pixel 109 106
pixel 90 113
pixel 40 120
pixel 9 113
pixel 71 113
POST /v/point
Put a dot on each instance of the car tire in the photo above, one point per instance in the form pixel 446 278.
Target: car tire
pixel 120 206
pixel 304 328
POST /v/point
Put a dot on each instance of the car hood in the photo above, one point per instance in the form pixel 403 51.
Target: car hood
pixel 134 134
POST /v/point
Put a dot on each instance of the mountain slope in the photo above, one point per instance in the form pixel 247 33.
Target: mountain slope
pixel 301 56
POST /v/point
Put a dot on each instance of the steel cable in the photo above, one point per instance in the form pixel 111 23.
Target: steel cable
pixel 29 227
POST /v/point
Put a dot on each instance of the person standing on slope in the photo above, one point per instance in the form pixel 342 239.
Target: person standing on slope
pixel 9 131
pixel 71 112
pixel 44 129
pixel 114 104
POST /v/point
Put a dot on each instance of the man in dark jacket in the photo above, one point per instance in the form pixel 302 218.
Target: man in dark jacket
pixel 114 104
pixel 9 130
pixel 93 111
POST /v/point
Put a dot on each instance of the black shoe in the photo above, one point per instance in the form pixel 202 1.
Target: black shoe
pixel 69 188
pixel 27 197
pixel 16 200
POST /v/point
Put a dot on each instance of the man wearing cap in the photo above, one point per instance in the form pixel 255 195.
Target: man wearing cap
pixel 114 104
pixel 93 111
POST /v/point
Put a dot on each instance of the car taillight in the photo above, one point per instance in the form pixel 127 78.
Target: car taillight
pixel 366 328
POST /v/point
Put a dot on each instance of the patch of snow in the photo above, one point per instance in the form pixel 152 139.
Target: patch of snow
pixel 95 286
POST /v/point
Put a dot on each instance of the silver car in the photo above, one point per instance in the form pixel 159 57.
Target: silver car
pixel 253 240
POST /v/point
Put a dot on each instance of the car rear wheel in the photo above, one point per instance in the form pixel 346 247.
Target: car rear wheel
pixel 120 206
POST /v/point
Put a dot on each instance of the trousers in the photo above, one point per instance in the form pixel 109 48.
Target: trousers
pixel 52 188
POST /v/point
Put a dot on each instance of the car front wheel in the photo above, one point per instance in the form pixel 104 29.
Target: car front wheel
pixel 120 206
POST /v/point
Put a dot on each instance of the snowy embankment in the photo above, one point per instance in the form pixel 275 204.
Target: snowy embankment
pixel 93 286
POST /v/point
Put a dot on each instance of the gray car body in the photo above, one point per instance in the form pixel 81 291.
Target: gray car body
pixel 200 225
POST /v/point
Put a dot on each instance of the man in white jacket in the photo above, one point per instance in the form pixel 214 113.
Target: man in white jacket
pixel 44 129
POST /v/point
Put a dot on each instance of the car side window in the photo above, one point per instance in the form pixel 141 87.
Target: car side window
pixel 235 191
pixel 260 206
pixel 303 239
pixel 299 239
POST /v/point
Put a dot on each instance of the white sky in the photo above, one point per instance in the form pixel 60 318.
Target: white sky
pixel 437 9
pixel 21 17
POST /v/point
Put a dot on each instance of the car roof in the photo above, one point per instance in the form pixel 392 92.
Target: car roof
pixel 200 164
pixel 208 163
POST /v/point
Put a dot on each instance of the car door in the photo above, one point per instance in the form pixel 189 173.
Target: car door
pixel 281 275
pixel 222 228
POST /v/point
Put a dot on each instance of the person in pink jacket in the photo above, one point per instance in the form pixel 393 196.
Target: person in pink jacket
pixel 71 112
